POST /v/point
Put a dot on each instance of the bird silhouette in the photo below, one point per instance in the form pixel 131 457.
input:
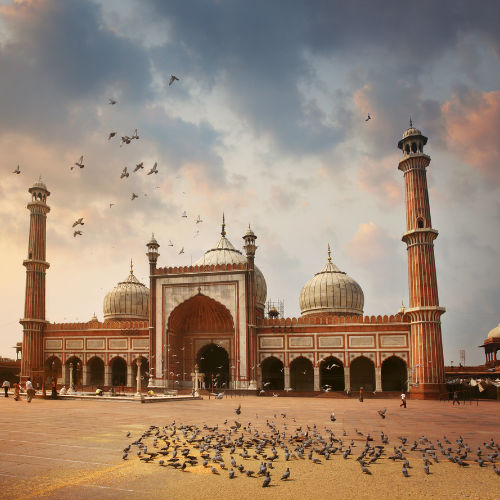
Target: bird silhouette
pixel 111 135
pixel 139 166
pixel 172 79
pixel 368 117
pixel 79 221
pixel 112 101
pixel 124 173
pixel 182 250
pixel 77 233
pixel 78 163
pixel 134 196
pixel 382 412
pixel 17 170
pixel 154 170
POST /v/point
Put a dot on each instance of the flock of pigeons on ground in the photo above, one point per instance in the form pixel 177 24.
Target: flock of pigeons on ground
pixel 237 450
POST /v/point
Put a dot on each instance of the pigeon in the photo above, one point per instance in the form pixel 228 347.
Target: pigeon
pixel 213 470
pixel 182 250
pixel 154 170
pixel 426 469
pixel 77 233
pixel 78 163
pixel 112 101
pixel 125 140
pixel 172 79
pixel 404 471
pixel 238 410
pixel 332 417
pixel 79 221
pixel 267 480
pixel 364 469
pixel 286 475
pixel 17 170
pixel 124 456
pixel 124 173
pixel 128 434
pixel 134 135
pixel 111 135
pixel 139 166
pixel 368 117
pixel 170 244
pixel 134 196
pixel 198 220
pixel 184 214
pixel 231 474
pixel 382 412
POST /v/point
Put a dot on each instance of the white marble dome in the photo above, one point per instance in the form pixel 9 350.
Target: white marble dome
pixel 495 332
pixel 225 253
pixel 331 291
pixel 129 299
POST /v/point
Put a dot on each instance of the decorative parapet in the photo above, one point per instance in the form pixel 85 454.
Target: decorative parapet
pixel 200 269
pixel 98 325
pixel 332 320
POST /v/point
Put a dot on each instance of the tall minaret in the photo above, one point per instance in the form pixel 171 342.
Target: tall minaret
pixel 427 364
pixel 36 265
pixel 250 249
pixel 155 365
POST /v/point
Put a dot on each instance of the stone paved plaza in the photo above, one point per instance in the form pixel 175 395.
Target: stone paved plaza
pixel 73 450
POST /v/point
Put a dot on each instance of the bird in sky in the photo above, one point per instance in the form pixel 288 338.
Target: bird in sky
pixel 17 170
pixel 78 163
pixel 184 214
pixel 154 170
pixel 368 117
pixel 78 221
pixel 134 135
pixel 170 244
pixel 124 173
pixel 139 166
pixel 182 250
pixel 111 135
pixel 112 101
pixel 77 233
pixel 198 220
pixel 134 196
pixel 172 79
pixel 125 140
pixel 111 204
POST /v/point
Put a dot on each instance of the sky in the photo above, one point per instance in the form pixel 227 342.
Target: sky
pixel 266 124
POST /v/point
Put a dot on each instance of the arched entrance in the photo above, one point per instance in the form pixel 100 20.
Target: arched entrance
pixel 213 361
pixel 394 374
pixel 144 371
pixel 301 374
pixel 362 374
pixel 331 373
pixel 196 321
pixel 119 371
pixel 95 371
pixel 273 376
pixel 76 368
pixel 53 370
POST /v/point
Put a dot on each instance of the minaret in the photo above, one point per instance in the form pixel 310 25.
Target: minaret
pixel 155 365
pixel 250 248
pixel 36 266
pixel 427 364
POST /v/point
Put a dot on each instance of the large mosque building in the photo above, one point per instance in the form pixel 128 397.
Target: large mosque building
pixel 213 314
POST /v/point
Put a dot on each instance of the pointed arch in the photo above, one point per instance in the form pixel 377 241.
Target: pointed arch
pixel 273 374
pixel 331 373
pixel 301 374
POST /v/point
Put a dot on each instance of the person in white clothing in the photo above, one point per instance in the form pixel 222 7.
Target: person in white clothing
pixel 30 392
pixel 6 387
pixel 403 400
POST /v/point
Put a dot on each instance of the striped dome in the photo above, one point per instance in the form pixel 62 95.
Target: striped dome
pixel 331 291
pixel 128 300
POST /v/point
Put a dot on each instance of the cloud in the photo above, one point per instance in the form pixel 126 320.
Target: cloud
pixel 369 244
pixel 472 130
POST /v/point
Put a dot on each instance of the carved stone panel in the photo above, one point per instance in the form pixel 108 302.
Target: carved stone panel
pixel 300 341
pixel 330 341
pixel 393 340
pixel 270 342
pixel 117 343
pixel 140 343
pixel 74 344
pixel 362 341
pixel 51 344
pixel 95 344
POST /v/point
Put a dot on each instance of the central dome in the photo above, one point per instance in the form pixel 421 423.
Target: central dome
pixel 331 291
pixel 128 300
pixel 225 253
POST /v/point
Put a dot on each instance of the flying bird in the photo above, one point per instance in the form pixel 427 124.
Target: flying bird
pixel 134 196
pixel 17 170
pixel 368 117
pixel 184 214
pixel 182 250
pixel 78 221
pixel 198 220
pixel 77 233
pixel 112 101
pixel 78 163
pixel 170 244
pixel 172 79
pixel 111 204
pixel 382 412
pixel 154 170
pixel 134 135
pixel 124 173
pixel 125 140
pixel 111 135
pixel 139 166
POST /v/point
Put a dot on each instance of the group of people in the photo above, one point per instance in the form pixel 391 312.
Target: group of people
pixel 30 391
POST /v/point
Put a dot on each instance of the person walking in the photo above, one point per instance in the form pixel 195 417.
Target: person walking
pixel 361 394
pixel 30 392
pixel 403 400
pixel 455 398
pixel 17 391
pixel 6 387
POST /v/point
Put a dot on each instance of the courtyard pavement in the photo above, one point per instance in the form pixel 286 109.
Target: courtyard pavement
pixel 73 450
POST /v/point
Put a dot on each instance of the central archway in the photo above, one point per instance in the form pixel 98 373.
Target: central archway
pixel 95 370
pixel 118 371
pixel 362 374
pixel 301 374
pixel 273 376
pixel 394 374
pixel 331 373
pixel 213 361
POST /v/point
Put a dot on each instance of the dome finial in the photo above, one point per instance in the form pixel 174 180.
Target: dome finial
pixel 223 232
pixel 411 123
pixel 329 253
pixel 131 267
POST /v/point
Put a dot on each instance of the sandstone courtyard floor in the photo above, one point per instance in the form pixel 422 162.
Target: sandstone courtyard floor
pixel 73 450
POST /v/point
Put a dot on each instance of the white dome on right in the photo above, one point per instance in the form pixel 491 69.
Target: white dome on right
pixel 331 291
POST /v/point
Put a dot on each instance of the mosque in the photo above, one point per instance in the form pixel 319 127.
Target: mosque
pixel 212 313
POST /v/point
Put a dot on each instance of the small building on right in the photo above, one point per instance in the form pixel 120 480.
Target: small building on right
pixel 491 346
